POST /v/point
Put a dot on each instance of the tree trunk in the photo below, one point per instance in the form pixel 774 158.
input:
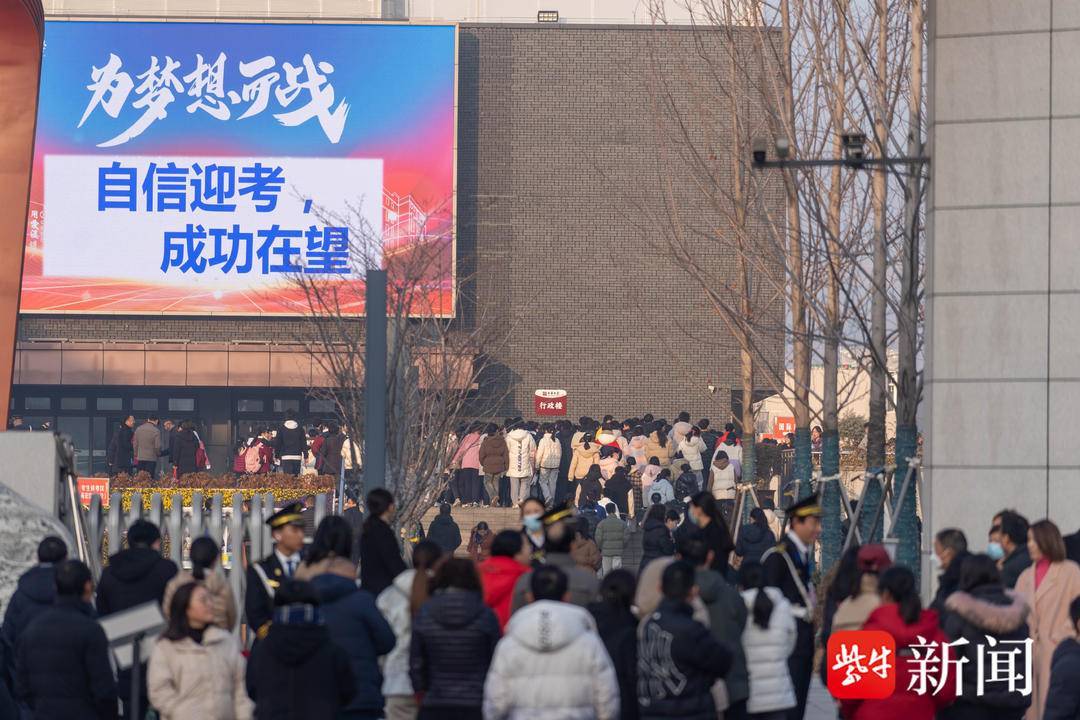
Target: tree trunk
pixel 832 537
pixel 879 380
pixel 908 390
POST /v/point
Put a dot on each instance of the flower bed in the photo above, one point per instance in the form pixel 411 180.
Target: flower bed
pixel 285 488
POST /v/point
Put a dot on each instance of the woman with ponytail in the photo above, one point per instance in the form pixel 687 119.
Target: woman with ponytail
pixel 768 639
pixel 902 615
pixel 206 572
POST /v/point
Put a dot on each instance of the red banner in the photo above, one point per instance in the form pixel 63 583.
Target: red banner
pixel 88 487
pixel 550 402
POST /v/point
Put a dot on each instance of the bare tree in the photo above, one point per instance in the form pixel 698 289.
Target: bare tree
pixel 440 353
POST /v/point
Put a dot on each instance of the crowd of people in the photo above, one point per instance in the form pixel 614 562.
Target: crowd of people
pixel 546 620
pixel 171 449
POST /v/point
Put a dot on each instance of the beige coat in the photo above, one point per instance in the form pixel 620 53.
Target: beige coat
pixel 653 449
pixel 583 459
pixel 188 680
pixel 852 612
pixel 222 599
pixel 335 565
pixel 1049 621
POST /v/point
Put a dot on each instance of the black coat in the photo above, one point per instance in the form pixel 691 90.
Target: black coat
pixel 656 542
pixel 355 518
pixel 292 440
pixel 948 583
pixel 133 577
pixel 1013 565
pixel 445 533
pixel 617 627
pixel 617 489
pixel 258 603
pixel 984 611
pixel 718 539
pixel 182 453
pixel 354 623
pixel 34 594
pixel 330 453
pixel 670 642
pixel 754 540
pixel 380 556
pixel 297 672
pixel 453 639
pixel 121 451
pixel 1072 546
pixel 1063 700
pixel 62 665
pixel 778 575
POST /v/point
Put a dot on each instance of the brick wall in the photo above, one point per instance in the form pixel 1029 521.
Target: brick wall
pixel 559 163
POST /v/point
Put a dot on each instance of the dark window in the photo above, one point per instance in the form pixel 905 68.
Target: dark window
pixel 281 406
pixel 144 404
pixel 72 403
pixel 322 406
pixel 109 403
pixel 181 404
pixel 249 406
pixel 38 403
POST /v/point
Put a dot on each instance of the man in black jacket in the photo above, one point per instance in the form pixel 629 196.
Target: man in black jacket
pixel 121 452
pixel 135 577
pixel 950 549
pixel 35 593
pixel 62 660
pixel 1013 538
pixel 444 532
pixel 265 575
pixel 290 444
pixel 678 658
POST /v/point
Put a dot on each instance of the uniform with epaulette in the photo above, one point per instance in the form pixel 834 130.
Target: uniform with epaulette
pixel 787 568
pixel 264 576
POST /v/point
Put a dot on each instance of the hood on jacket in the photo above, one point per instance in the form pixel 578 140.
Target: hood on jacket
pixel 39 584
pixel 710 585
pixel 888 617
pixel 456 608
pixel 547 626
pixel 332 588
pixel 403 582
pixel 291 424
pixel 994 617
pixel 653 524
pixel 294 644
pixel 518 435
pixel 134 563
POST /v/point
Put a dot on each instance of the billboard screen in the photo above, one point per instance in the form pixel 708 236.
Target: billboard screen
pixel 196 168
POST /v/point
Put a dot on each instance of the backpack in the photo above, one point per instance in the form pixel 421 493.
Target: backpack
pixel 253 458
pixel 238 460
pixel 201 459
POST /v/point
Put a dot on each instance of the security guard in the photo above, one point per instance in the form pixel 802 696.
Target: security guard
pixel 787 567
pixel 264 576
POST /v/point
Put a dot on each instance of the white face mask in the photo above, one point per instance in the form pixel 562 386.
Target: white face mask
pixel 935 561
pixel 532 522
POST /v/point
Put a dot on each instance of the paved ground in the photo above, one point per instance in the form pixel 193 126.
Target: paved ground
pixel 820 705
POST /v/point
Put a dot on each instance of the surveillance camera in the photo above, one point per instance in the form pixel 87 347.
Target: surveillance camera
pixel 761 151
pixel 853 144
pixel 783 147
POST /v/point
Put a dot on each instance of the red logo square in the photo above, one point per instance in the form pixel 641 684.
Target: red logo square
pixel 861 664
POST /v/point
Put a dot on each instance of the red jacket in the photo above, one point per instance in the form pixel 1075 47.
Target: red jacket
pixel 499 574
pixel 906 704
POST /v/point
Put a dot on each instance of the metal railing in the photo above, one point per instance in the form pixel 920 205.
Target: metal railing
pixel 241 533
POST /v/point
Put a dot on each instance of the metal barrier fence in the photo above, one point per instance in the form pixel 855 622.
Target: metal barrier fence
pixel 241 534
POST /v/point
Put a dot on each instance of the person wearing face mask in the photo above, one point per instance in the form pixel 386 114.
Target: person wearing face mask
pixel 1013 541
pixel 532 509
pixel 559 533
pixel 950 549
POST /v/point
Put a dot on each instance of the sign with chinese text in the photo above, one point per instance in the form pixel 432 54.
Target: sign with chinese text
pixel 90 486
pixel 212 167
pixel 549 402
pixel 861 664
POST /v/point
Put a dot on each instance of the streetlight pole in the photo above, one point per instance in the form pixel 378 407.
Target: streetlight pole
pixel 375 381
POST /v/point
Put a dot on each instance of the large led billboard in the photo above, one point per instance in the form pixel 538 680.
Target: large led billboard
pixel 197 168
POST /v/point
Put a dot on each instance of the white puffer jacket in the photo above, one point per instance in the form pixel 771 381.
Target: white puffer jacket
pixel 393 603
pixel 522 448
pixel 551 665
pixel 767 654
pixel 549 452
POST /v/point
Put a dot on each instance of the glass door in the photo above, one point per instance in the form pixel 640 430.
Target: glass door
pixel 79 430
